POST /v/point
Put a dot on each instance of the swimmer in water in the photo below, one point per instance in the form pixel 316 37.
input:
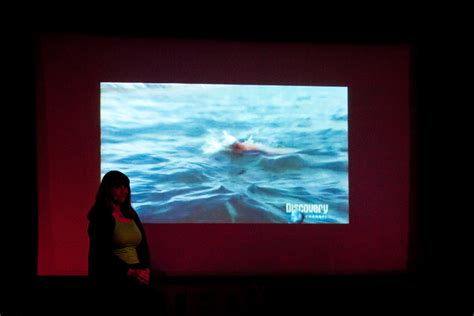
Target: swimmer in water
pixel 251 148
pixel 241 147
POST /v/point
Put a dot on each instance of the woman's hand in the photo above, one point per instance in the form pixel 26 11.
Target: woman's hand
pixel 140 276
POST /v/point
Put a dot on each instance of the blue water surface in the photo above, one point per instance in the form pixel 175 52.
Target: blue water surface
pixel 174 141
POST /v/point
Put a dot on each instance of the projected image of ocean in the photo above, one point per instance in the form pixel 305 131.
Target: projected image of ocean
pixel 208 153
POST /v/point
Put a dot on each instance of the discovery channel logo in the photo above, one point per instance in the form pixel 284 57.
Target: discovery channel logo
pixel 300 211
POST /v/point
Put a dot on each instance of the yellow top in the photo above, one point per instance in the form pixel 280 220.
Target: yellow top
pixel 126 238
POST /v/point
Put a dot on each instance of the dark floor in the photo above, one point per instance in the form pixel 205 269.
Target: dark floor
pixel 382 295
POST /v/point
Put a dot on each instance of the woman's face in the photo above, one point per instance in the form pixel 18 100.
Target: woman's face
pixel 119 194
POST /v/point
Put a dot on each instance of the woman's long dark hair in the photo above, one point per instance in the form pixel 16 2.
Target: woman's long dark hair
pixel 103 199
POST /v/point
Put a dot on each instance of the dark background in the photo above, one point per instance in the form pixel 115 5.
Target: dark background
pixel 70 68
pixel 432 282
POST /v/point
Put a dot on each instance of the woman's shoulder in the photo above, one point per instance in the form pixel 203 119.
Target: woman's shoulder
pixel 135 215
pixel 136 218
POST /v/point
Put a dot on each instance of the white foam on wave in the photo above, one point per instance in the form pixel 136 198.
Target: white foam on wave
pixel 215 142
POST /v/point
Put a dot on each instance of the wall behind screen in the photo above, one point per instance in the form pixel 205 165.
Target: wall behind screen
pixel 70 69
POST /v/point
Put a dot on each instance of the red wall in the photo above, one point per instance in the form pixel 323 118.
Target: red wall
pixel 70 68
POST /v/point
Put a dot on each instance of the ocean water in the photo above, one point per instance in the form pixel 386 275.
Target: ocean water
pixel 174 141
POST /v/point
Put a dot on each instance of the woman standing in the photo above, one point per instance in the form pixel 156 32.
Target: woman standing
pixel 119 258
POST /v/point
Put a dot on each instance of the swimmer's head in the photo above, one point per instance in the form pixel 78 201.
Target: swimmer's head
pixel 237 145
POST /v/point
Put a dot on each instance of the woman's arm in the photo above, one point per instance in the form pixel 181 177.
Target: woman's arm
pixel 143 250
